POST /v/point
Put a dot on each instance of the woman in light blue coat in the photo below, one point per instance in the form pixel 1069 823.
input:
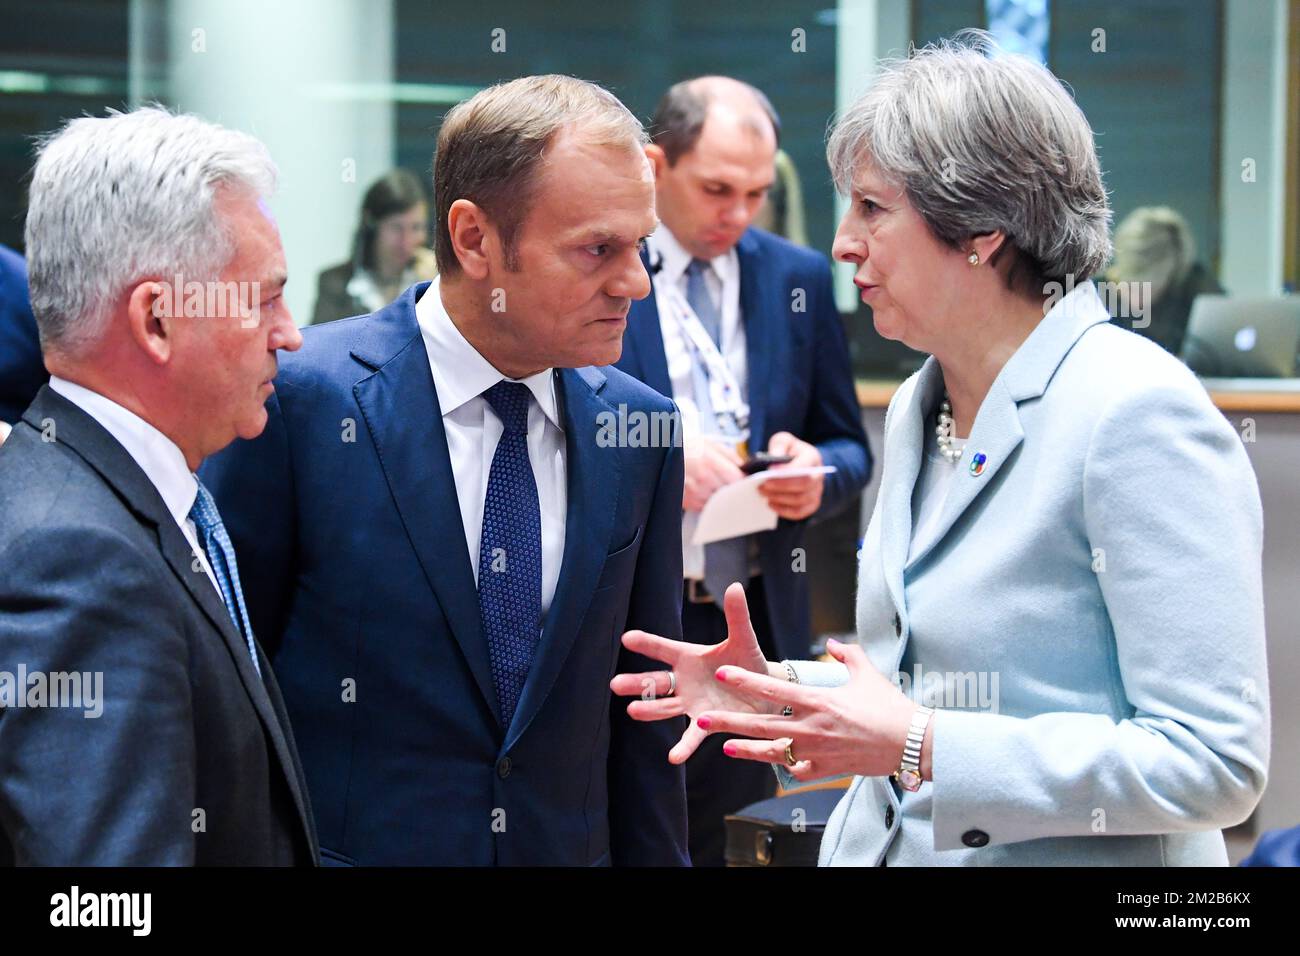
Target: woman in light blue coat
pixel 1060 611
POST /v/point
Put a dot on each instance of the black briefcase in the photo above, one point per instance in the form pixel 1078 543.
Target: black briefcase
pixel 782 831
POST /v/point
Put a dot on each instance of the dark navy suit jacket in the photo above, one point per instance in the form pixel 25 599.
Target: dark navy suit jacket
pixel 800 381
pixel 98 579
pixel 358 578
pixel 22 371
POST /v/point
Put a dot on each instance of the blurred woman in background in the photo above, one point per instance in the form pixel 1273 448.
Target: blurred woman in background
pixel 389 252
pixel 1154 245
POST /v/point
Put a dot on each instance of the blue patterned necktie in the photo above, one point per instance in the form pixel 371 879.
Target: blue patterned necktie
pixel 724 561
pixel 221 558
pixel 510 551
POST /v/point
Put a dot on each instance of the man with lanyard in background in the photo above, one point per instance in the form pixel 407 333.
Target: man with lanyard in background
pixel 741 330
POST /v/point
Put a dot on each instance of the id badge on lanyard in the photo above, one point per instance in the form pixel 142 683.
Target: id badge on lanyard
pixel 729 410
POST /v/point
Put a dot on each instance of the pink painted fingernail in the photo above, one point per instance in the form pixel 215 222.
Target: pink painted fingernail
pixel 704 723
pixel 729 750
pixel 721 675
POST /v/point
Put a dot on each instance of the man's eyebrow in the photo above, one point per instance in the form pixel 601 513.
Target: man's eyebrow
pixel 725 184
pixel 598 235
pixel 276 282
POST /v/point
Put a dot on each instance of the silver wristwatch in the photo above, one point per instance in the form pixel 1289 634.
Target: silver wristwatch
pixel 908 774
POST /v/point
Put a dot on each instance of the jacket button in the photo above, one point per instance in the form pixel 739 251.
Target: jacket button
pixel 898 625
pixel 889 817
pixel 975 838
pixel 503 767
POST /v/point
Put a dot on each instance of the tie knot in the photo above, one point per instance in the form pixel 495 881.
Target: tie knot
pixel 699 267
pixel 204 511
pixel 510 401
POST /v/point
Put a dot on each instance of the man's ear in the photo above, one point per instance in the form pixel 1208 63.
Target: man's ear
pixel 471 235
pixel 152 312
pixel 658 159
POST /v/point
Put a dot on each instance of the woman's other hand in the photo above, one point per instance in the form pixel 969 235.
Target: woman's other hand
pixel 858 728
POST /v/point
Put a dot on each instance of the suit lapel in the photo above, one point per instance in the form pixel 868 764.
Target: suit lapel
pixel 399 402
pixel 593 480
pixel 997 431
pixel 80 432
pixel 759 338
pixel 995 436
pixel 904 440
pixel 183 562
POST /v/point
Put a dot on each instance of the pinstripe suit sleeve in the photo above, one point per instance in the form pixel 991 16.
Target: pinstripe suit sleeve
pixel 117 789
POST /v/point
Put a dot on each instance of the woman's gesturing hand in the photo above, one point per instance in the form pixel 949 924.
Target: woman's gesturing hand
pixel 858 728
pixel 694 667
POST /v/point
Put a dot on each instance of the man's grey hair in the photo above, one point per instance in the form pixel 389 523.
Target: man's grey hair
pixel 491 148
pixel 981 140
pixel 122 198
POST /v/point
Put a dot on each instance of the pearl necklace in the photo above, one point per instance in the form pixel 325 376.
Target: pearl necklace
pixel 944 432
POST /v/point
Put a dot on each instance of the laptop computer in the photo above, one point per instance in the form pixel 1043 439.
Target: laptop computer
pixel 1243 338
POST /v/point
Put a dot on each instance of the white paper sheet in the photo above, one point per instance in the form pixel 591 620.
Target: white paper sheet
pixel 740 508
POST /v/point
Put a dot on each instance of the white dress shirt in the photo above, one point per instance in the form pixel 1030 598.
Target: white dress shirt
pixel 722 280
pixel 461 375
pixel 156 454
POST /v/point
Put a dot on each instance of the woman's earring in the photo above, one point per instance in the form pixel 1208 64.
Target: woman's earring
pixel 973 258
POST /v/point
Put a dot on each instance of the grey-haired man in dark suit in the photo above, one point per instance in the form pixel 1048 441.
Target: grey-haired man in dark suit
pixel 139 721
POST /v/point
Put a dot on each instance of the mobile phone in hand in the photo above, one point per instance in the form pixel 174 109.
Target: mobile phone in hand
pixel 762 461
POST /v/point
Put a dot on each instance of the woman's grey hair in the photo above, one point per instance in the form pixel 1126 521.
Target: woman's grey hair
pixel 982 140
pixel 125 197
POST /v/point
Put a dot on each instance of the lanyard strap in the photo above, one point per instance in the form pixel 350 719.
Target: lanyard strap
pixel 724 395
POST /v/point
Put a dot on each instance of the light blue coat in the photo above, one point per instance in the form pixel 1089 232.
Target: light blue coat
pixel 1093 603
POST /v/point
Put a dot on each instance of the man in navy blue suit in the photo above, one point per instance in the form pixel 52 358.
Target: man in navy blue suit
pixel 452 517
pixel 741 330
pixel 22 372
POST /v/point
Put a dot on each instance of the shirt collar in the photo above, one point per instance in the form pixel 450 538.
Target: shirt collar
pixel 460 370
pixel 156 454
pixel 676 259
